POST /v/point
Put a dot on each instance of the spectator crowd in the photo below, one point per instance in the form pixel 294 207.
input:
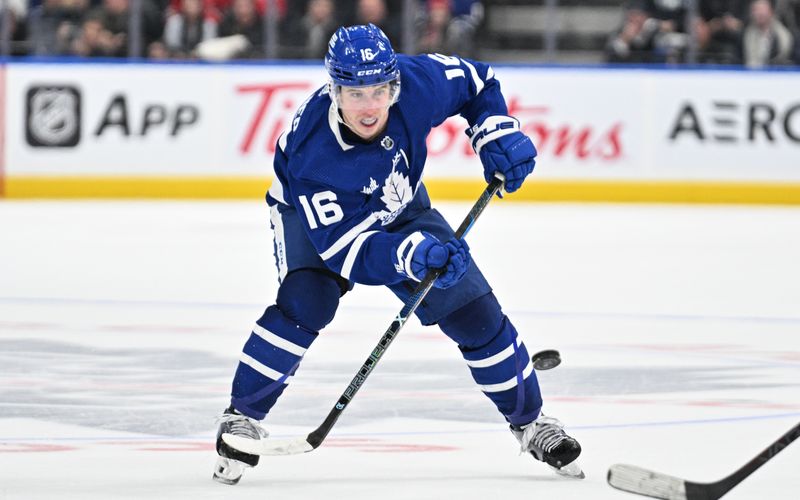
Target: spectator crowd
pixel 221 29
pixel 754 33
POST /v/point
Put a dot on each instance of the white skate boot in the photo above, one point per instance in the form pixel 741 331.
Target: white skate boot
pixel 232 463
pixel 546 440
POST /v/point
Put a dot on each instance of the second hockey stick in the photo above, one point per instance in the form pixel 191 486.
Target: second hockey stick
pixel 315 438
pixel 654 484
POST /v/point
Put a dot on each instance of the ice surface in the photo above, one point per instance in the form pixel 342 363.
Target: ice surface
pixel 121 325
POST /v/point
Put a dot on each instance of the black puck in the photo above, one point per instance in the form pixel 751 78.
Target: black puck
pixel 547 359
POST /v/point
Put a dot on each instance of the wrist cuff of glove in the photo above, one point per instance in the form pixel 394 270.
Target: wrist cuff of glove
pixel 405 253
pixel 492 128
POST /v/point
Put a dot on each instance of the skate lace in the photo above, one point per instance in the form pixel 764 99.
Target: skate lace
pixel 240 425
pixel 545 433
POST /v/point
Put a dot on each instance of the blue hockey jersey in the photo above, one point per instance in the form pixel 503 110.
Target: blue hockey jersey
pixel 350 193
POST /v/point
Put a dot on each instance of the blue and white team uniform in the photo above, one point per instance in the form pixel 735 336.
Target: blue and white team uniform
pixel 345 210
pixel 347 207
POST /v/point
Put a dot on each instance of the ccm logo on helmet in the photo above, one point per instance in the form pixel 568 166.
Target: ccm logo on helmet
pixel 368 72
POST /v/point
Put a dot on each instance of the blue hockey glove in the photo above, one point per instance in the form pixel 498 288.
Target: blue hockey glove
pixel 421 252
pixel 503 148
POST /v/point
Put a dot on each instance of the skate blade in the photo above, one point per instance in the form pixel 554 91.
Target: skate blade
pixel 227 471
pixel 571 470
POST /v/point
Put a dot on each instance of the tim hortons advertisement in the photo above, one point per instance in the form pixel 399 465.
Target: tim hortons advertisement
pixel 574 138
pixel 185 119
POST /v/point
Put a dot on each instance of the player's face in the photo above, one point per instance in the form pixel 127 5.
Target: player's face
pixel 366 109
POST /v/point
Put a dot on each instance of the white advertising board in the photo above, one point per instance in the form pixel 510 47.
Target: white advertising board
pixel 659 124
pixel 161 119
pixel 185 119
pixel 725 125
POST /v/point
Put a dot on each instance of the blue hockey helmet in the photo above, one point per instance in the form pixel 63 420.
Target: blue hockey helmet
pixel 360 56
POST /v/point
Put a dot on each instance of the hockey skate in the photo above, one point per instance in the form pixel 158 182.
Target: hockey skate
pixel 546 440
pixel 232 463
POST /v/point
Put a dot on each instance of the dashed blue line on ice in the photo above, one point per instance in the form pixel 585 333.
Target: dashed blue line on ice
pixel 528 312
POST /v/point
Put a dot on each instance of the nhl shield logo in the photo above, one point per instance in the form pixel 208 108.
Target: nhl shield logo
pixel 53 116
pixel 387 143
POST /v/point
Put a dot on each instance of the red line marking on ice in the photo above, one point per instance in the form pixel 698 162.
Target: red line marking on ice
pixel 33 448
pixel 370 445
pixel 163 445
pixel 367 445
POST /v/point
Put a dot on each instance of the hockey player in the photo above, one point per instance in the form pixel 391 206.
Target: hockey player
pixel 348 205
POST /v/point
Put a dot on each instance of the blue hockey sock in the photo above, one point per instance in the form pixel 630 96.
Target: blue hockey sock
pixel 497 358
pixel 280 338
pixel 268 361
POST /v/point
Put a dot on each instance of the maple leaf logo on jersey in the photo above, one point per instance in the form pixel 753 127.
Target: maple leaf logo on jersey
pixel 396 195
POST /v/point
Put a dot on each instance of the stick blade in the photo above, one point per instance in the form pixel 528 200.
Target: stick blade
pixel 641 481
pixel 268 446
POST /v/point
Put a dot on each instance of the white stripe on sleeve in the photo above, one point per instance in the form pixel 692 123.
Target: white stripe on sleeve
pixel 352 254
pixel 475 78
pixel 349 236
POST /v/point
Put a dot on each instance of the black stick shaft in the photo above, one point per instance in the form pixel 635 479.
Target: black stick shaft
pixel 316 437
pixel 716 490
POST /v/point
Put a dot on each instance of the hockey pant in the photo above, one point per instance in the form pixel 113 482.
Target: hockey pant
pixel 496 357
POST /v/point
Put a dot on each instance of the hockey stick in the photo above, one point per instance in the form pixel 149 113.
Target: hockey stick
pixel 653 484
pixel 315 438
